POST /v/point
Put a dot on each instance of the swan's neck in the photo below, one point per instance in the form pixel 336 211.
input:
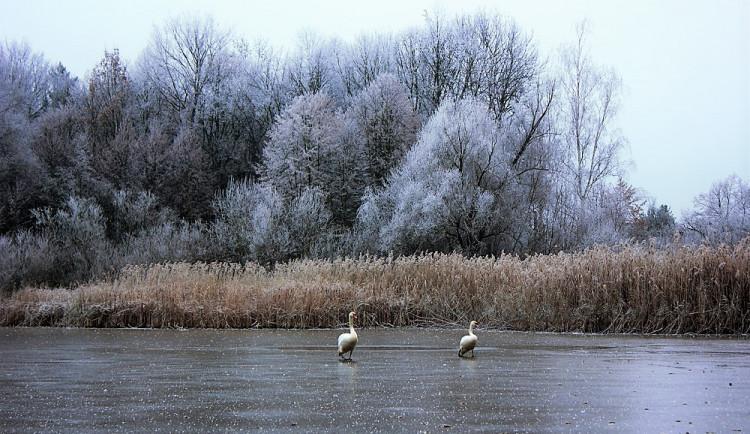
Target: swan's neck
pixel 351 326
pixel 471 329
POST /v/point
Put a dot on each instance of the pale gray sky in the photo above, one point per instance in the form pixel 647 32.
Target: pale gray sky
pixel 685 63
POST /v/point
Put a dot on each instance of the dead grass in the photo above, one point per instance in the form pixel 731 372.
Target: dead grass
pixel 630 289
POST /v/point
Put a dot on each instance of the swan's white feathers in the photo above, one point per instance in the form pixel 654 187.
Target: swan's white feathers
pixel 347 341
pixel 468 342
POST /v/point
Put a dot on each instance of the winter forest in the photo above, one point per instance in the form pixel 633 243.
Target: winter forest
pixel 457 136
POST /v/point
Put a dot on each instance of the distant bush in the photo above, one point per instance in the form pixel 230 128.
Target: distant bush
pixel 76 235
pixel 166 242
pixel 75 244
pixel 248 226
pixel 255 223
pixel 25 261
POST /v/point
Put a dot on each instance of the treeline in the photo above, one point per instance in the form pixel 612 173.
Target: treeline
pixel 455 136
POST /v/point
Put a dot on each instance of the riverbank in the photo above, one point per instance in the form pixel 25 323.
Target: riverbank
pixel 629 289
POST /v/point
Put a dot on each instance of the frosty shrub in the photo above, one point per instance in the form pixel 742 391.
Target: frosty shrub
pixel 249 223
pixel 172 240
pixel 79 249
pixel 25 260
pixel 134 213
pixel 255 224
pixel 307 222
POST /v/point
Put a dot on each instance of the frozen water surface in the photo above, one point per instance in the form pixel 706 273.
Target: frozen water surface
pixel 400 380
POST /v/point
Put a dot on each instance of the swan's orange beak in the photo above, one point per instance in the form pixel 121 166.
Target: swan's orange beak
pixel 355 316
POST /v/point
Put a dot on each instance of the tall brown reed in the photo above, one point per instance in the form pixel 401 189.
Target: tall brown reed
pixel 627 289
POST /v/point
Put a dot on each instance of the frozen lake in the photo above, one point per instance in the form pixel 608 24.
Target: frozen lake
pixel 401 380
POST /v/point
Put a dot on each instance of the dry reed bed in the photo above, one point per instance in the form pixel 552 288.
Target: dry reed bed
pixel 627 289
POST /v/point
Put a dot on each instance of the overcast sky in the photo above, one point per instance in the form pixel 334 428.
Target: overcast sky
pixel 685 64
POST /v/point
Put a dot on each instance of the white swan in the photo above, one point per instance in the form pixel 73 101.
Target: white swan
pixel 347 341
pixel 468 342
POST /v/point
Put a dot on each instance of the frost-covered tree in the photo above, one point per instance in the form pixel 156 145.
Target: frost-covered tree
pixel 230 125
pixel 305 150
pixel 22 175
pixel 494 60
pixel 588 147
pixel 58 141
pixel 657 224
pixel 360 64
pixel 106 100
pixel 407 60
pixel 528 139
pixel 721 215
pixel 23 87
pixel 312 68
pixel 349 176
pixel 182 178
pixel 484 56
pixel 24 80
pixel 301 145
pixel 588 104
pixel 200 82
pixel 437 54
pixel 385 125
pixel 63 89
pixel 183 59
pixel 107 127
pixel 447 193
pixel 264 75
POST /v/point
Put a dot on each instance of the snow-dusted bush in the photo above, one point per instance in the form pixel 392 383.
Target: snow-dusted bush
pixel 76 234
pixel 721 215
pixel 249 223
